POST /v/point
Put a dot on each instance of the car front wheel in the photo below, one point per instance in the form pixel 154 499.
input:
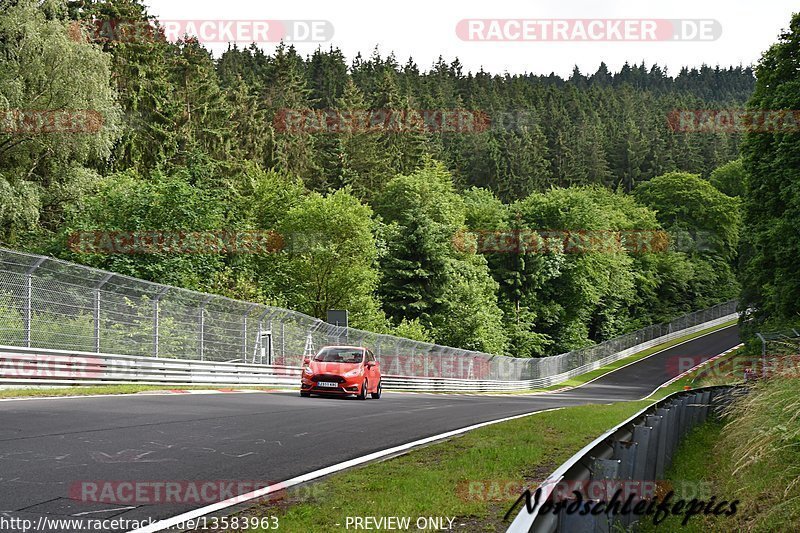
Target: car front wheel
pixel 364 387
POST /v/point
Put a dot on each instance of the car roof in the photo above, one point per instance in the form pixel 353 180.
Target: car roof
pixel 348 347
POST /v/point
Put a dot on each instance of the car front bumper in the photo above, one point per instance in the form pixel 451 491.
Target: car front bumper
pixel 348 386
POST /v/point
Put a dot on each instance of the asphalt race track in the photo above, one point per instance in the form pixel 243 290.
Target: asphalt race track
pixel 48 447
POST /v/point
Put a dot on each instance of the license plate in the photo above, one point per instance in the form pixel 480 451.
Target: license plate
pixel 328 384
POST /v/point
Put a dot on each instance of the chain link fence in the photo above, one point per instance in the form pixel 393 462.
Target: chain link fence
pixel 47 303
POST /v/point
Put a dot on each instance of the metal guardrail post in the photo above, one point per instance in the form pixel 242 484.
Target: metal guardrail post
pixel 696 410
pixel 680 420
pixel 586 523
pixel 156 318
pixel 665 453
pixel 658 423
pixel 607 470
pixel 641 434
pixel 706 399
pixel 625 452
pixel 96 311
pixel 600 470
pixel 28 314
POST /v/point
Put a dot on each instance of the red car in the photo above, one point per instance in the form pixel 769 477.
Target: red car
pixel 342 370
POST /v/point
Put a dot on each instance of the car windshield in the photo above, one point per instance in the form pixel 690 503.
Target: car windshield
pixel 340 355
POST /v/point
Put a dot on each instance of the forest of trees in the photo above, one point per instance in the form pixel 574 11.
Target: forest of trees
pixel 770 251
pixel 191 142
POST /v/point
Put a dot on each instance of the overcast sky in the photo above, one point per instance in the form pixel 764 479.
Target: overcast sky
pixel 425 29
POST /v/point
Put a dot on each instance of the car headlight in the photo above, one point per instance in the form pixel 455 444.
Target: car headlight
pixel 353 373
pixel 307 371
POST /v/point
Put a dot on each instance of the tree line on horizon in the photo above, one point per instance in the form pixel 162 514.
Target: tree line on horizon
pixel 189 142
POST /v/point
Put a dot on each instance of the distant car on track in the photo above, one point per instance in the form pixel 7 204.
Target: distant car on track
pixel 342 370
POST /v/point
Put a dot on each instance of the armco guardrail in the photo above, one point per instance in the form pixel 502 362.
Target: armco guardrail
pixel 23 366
pixel 27 366
pixel 49 304
pixel 631 458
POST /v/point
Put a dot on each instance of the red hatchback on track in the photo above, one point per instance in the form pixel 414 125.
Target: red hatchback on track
pixel 342 370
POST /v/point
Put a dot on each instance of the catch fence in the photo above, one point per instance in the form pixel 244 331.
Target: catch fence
pixel 50 304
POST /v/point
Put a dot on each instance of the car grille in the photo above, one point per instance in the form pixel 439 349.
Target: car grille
pixel 328 377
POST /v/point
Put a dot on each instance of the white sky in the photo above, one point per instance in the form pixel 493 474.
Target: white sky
pixel 425 29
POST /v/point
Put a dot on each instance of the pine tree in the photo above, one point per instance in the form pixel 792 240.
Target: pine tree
pixel 286 91
pixel 402 138
pixel 358 159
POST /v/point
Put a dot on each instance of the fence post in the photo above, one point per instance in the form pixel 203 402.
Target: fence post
pixel 260 331
pixel 156 317
pixel 244 331
pixel 96 311
pixel 203 325
pixel 271 351
pixel 283 340
pixel 29 299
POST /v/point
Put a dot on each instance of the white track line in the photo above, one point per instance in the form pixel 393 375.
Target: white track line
pixel 191 515
pixel 128 394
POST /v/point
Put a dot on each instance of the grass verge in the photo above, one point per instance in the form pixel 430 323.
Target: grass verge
pixel 752 456
pixel 473 478
pixel 469 478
